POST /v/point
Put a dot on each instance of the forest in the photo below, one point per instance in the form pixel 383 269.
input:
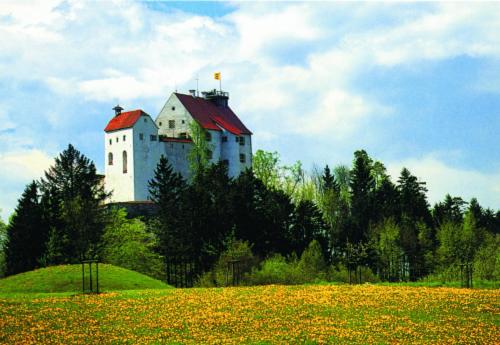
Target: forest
pixel 280 223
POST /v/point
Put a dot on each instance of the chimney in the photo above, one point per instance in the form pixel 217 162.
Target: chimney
pixel 118 110
pixel 193 93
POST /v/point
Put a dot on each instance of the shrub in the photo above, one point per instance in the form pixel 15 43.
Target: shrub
pixel 236 262
pixel 312 264
pixel 277 270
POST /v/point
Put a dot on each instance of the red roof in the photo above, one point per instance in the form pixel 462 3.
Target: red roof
pixel 210 116
pixel 124 120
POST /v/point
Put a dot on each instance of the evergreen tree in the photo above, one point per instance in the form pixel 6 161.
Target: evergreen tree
pixel 3 240
pixel 450 210
pixel 26 233
pixel 413 210
pixel 307 226
pixel 72 199
pixel 329 182
pixel 362 185
pixel 167 190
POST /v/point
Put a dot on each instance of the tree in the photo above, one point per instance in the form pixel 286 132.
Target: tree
pixel 128 243
pixel 26 233
pixel 199 153
pixel 389 251
pixel 450 210
pixel 362 185
pixel 307 226
pixel 3 240
pixel 265 168
pixel 167 190
pixel 72 199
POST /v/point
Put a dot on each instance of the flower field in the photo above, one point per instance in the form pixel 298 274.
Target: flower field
pixel 256 315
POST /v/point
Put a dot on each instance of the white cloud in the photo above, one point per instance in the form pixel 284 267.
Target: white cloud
pixel 23 165
pixel 17 169
pixel 444 179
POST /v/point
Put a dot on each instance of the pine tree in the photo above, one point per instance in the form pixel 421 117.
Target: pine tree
pixel 72 199
pixel 167 190
pixel 362 185
pixel 26 233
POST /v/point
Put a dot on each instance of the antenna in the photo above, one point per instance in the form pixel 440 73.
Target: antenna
pixel 197 87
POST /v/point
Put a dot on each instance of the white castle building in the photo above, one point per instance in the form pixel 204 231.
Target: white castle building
pixel 134 142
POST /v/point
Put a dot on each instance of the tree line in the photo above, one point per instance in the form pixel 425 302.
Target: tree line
pixel 357 218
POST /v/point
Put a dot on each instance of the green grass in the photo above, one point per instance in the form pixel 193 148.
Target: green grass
pixel 272 314
pixel 68 279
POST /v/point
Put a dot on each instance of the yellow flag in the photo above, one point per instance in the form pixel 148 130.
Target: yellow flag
pixel 217 75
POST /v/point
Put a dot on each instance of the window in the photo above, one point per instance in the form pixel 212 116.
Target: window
pixel 236 139
pixel 124 154
pixel 110 158
pixel 152 137
pixel 242 141
pixel 209 154
pixel 145 119
pixel 208 136
pixel 117 139
pixel 173 108
pixel 159 124
pixel 110 141
pixel 141 136
pixel 242 158
pixel 183 122
pixel 171 124
pixel 124 137
pixel 183 135
pixel 225 162
pixel 224 139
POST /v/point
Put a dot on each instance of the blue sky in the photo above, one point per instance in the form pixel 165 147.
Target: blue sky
pixel 416 85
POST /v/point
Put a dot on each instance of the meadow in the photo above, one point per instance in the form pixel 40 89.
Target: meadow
pixel 273 314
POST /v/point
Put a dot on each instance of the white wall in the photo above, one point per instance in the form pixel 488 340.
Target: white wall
pixel 177 155
pixel 120 184
pixel 146 156
pixel 173 110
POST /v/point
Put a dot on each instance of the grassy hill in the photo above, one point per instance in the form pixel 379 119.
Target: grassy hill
pixel 68 278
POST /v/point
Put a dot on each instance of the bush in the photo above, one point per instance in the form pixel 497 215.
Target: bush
pixel 236 262
pixel 312 264
pixel 487 260
pixel 127 243
pixel 341 274
pixel 276 270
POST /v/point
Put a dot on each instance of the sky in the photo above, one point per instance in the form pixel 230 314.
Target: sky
pixel 416 85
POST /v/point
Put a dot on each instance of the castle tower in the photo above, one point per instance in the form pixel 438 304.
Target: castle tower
pixel 132 152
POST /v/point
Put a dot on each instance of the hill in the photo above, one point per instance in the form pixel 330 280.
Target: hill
pixel 68 278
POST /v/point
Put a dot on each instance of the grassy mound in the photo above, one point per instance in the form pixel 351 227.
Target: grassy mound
pixel 68 278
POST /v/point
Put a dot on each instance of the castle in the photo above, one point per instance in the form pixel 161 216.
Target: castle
pixel 134 142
